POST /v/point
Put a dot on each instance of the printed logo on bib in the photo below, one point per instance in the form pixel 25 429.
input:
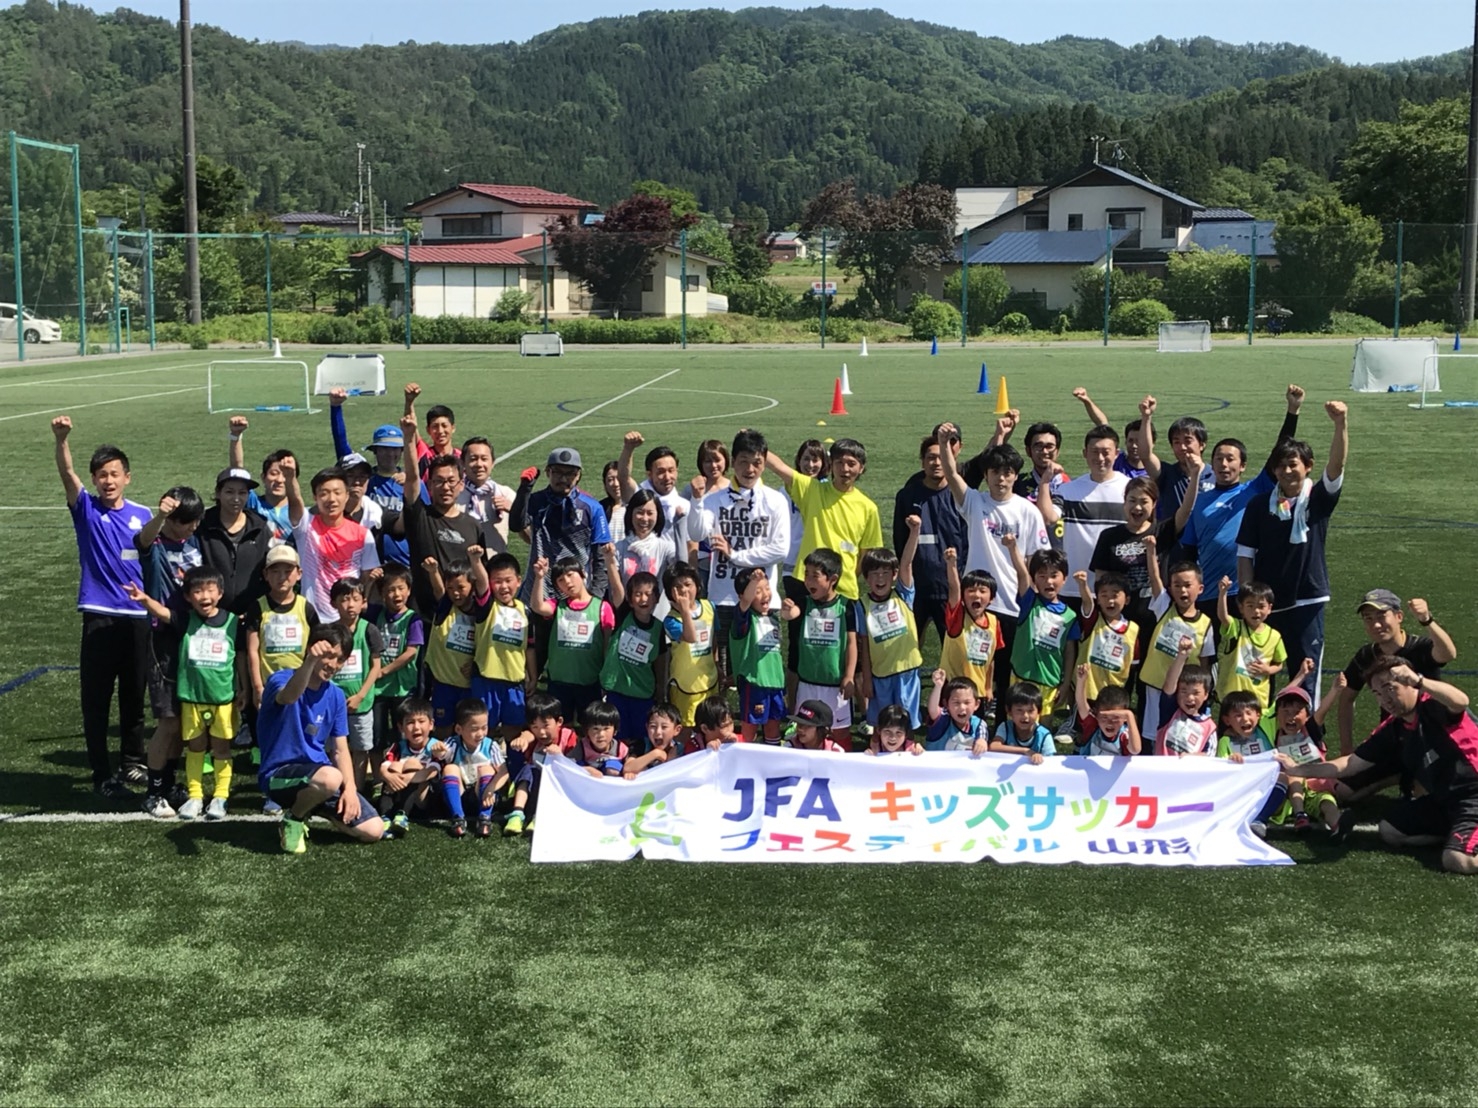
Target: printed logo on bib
pixel 459 637
pixel 634 646
pixel 885 621
pixel 353 666
pixel 1107 650
pixel 1247 654
pixel 979 645
pixel 1300 748
pixel 1255 748
pixel 1185 736
pixel 1046 629
pixel 704 646
pixel 766 634
pixel 209 648
pixel 574 629
pixel 822 628
pixel 509 626
pixel 393 647
pixel 282 635
pixel 1167 641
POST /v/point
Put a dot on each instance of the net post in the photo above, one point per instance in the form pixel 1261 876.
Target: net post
pixel 405 236
pixel 965 288
pixel 81 268
pixel 149 282
pixel 823 288
pixel 15 225
pixel 1396 308
pixel 683 271
pixel 1108 277
pixel 1252 285
pixel 117 300
pixel 267 246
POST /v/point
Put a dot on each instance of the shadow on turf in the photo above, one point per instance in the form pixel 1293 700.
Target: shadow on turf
pixel 253 838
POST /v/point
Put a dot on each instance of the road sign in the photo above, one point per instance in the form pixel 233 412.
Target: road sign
pixel 823 288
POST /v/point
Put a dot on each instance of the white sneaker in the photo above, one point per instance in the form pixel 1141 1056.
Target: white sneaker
pixel 271 808
pixel 1259 828
pixel 190 809
pixel 216 809
pixel 158 807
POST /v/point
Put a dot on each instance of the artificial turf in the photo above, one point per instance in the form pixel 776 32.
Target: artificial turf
pixel 193 963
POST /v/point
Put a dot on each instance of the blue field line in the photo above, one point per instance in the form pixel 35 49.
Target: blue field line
pixel 31 675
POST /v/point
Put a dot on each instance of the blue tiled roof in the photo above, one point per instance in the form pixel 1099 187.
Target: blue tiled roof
pixel 1237 236
pixel 1045 248
pixel 1211 215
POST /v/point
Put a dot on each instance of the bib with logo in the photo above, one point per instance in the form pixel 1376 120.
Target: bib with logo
pixel 502 643
pixel 207 672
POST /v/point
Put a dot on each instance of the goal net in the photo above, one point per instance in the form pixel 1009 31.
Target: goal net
pixel 1189 336
pixel 356 374
pixel 257 385
pixel 1395 365
pixel 1431 383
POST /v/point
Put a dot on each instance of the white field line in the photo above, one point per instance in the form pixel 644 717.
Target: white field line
pixel 769 402
pixel 101 403
pixel 32 508
pixel 98 376
pixel 577 418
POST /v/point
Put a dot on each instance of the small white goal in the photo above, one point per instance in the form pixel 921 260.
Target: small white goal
pixel 356 374
pixel 1188 336
pixel 257 385
pixel 541 345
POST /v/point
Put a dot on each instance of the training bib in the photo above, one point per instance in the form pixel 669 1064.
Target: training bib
pixel 509 626
pixel 885 621
pixel 1300 748
pixel 634 646
pixel 766 634
pixel 1247 654
pixel 353 667
pixel 209 648
pixel 980 643
pixel 1167 639
pixel 823 628
pixel 282 634
pixel 460 636
pixel 1047 629
pixel 1107 650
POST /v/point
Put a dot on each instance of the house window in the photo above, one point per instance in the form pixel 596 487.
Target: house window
pixel 1075 221
pixel 1170 221
pixel 647 283
pixel 1035 221
pixel 693 284
pixel 1127 221
pixel 485 225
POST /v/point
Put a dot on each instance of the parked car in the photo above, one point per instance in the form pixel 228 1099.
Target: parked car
pixel 36 328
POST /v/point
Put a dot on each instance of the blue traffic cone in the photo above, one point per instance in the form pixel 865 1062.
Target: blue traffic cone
pixel 934 345
pixel 984 387
pixel 1457 341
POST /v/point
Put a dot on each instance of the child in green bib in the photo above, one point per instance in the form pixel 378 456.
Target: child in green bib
pixel 360 672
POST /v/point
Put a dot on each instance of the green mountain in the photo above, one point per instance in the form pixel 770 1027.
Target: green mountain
pixel 761 106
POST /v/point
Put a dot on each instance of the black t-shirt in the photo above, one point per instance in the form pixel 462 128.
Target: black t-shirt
pixel 1438 750
pixel 1416 652
pixel 1293 570
pixel 1120 550
pixel 430 534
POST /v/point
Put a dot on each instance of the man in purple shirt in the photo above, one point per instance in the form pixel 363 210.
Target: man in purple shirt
pixel 115 630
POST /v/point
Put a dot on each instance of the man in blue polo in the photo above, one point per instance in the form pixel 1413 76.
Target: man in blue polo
pixel 115 630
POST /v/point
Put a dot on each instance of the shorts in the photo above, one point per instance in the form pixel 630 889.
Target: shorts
pixel 575 698
pixel 163 699
pixel 831 696
pixel 633 726
pixel 686 702
pixel 759 705
pixel 444 703
pixel 1049 694
pixel 218 721
pixel 362 731
pixel 1454 820
pixel 902 689
pixel 470 773
pixel 505 701
pixel 288 781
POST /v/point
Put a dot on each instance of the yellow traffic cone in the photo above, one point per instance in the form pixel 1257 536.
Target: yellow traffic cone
pixel 1003 402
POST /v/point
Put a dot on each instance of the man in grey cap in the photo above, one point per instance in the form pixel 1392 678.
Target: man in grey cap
pixel 1382 613
pixel 559 521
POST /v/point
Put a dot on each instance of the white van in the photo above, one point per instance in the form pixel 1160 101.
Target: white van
pixel 37 329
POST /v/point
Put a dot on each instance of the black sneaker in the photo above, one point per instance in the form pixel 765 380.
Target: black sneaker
pixel 484 828
pixel 114 789
pixel 1342 829
pixel 459 828
pixel 133 775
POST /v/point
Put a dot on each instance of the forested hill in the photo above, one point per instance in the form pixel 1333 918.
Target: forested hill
pixel 763 106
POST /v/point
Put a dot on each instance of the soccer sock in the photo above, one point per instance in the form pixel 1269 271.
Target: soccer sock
pixel 451 788
pixel 223 778
pixel 156 782
pixel 484 797
pixel 171 767
pixel 195 774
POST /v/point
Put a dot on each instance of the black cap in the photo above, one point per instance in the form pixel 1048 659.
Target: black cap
pixel 813 713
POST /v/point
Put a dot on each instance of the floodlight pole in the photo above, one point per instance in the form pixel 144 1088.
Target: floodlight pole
pixel 1108 278
pixel 1470 226
pixel 1252 286
pixel 683 244
pixel 965 288
pixel 359 186
pixel 187 121
pixel 81 268
pixel 15 229
pixel 823 288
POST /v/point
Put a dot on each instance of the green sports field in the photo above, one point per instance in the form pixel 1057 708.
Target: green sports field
pixel 186 963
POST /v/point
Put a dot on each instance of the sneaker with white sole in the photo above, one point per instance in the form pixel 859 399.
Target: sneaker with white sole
pixel 216 809
pixel 158 808
pixel 270 807
pixel 114 789
pixel 191 808
pixel 293 834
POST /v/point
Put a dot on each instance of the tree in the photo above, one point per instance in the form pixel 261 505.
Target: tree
pixel 610 256
pixel 219 192
pixel 988 291
pixel 1412 169
pixel 1207 284
pixel 681 201
pixel 883 236
pixel 1322 245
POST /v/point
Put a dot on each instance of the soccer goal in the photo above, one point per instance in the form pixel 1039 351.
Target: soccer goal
pixel 1186 336
pixel 1432 383
pixel 257 385
pixel 537 345
pixel 356 374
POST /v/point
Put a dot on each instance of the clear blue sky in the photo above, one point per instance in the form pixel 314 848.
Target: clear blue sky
pixel 1358 31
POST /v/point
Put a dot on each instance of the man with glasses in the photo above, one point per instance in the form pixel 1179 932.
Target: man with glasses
pixel 439 528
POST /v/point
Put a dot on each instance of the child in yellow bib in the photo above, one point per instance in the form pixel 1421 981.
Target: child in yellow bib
pixel 692 670
pixel 890 636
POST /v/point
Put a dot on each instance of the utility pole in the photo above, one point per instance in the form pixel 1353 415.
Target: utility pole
pixel 359 183
pixel 369 188
pixel 1470 228
pixel 187 121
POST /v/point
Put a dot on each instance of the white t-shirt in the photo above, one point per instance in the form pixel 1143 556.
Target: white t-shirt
pixel 1089 508
pixel 986 520
pixel 653 555
pixel 478 504
pixel 674 504
pixel 756 523
pixel 329 554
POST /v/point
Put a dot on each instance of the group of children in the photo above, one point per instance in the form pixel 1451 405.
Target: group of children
pixel 443 700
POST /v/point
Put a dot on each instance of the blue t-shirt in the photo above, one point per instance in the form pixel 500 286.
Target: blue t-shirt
pixel 107 555
pixel 1173 483
pixel 1040 742
pixel 1213 526
pixel 944 735
pixel 165 565
pixel 297 732
pixel 277 520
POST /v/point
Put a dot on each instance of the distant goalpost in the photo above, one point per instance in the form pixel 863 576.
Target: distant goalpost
pixel 258 385
pixel 1187 336
pixel 1431 382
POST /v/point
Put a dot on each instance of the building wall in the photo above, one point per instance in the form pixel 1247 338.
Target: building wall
pixel 666 297
pixel 1055 281
pixel 516 222
pixel 1093 204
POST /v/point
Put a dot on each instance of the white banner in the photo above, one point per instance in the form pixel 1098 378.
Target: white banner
pixel 750 803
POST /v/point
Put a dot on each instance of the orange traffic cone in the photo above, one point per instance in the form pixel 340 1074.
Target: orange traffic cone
pixel 837 407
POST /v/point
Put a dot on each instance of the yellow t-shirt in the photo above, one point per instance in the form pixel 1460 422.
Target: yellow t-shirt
pixel 502 637
pixel 1160 651
pixel 846 522
pixel 691 664
pixel 892 634
pixel 1239 648
pixel 450 644
pixel 1108 651
pixel 970 651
